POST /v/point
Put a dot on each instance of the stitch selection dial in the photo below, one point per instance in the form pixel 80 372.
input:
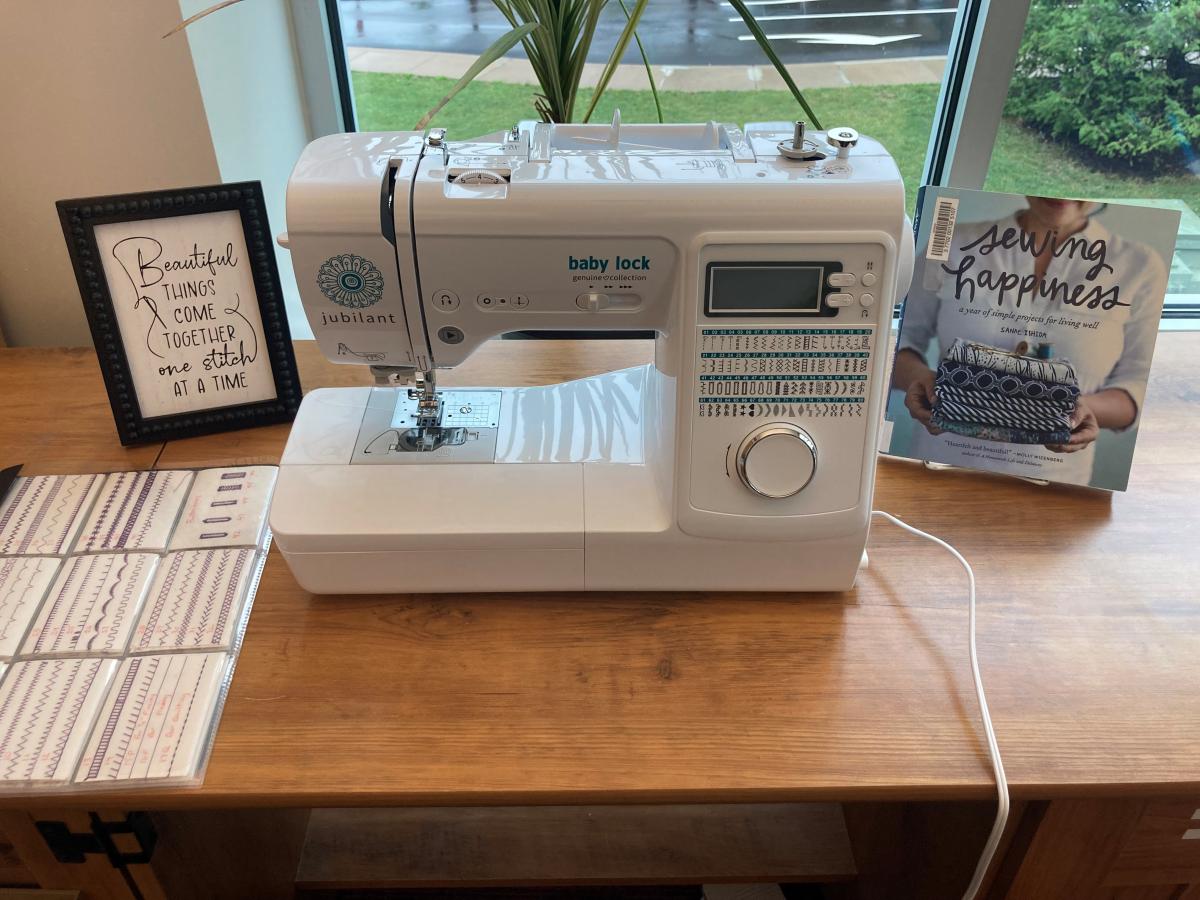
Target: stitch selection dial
pixel 777 460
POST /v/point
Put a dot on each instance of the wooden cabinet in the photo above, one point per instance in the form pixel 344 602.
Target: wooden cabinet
pixel 1109 850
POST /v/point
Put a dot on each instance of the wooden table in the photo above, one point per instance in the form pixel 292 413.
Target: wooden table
pixel 1089 641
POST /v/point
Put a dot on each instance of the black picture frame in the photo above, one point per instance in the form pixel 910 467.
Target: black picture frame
pixel 79 218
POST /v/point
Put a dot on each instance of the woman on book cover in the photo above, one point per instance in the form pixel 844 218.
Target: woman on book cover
pixel 1061 287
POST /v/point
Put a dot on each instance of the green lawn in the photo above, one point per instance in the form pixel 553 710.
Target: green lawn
pixel 899 115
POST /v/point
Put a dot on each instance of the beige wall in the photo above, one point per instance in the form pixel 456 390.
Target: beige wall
pixel 92 101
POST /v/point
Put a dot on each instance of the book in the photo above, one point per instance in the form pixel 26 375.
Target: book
pixel 1026 338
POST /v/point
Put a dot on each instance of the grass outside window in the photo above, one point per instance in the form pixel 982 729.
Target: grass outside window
pixel 900 116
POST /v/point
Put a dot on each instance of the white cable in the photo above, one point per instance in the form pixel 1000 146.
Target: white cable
pixel 993 841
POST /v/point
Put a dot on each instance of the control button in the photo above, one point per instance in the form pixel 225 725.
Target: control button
pixel 520 301
pixel 446 301
pixel 839 299
pixel 868 279
pixel 867 299
pixel 486 301
pixel 592 301
pixel 777 460
pixel 841 279
pixel 623 301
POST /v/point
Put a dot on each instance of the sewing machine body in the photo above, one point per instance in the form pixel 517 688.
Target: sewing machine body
pixel 741 459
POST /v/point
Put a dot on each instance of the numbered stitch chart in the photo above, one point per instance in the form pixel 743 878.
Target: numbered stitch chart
pixel 123 599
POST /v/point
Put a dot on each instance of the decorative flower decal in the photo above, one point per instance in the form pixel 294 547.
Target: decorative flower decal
pixel 350 280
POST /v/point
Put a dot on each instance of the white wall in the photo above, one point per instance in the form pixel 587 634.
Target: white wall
pixel 250 80
pixel 92 101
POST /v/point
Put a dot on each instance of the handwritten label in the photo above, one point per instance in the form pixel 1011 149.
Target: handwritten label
pixel 188 313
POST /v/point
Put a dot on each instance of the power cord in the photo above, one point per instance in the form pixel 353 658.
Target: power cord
pixel 993 841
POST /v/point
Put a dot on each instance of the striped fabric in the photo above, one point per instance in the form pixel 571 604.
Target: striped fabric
pixel 1007 417
pixel 988 393
pixel 999 432
pixel 994 401
pixel 1053 371
pixel 967 376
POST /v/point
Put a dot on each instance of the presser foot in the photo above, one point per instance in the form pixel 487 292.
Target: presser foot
pixel 415 426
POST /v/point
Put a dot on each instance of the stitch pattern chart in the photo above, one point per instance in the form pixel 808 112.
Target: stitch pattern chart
pixel 195 602
pixel 226 508
pixel 23 583
pixel 92 606
pixel 46 712
pixel 155 721
pixel 135 511
pixel 43 513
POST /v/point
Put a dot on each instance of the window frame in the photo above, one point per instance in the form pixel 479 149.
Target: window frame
pixel 324 69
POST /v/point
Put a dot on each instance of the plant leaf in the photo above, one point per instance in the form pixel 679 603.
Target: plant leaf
pixel 200 15
pixel 646 63
pixel 618 51
pixel 765 46
pixel 498 48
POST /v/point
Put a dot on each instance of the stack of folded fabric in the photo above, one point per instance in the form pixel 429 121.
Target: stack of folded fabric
pixel 992 394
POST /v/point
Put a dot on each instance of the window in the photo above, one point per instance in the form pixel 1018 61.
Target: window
pixel 1082 98
pixel 1054 97
pixel 876 69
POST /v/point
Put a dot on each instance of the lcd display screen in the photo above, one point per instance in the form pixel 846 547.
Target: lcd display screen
pixel 765 290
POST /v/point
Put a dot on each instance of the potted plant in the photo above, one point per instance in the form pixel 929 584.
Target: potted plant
pixel 557 37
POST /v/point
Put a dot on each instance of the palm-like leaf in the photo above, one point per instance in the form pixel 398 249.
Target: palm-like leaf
pixel 498 48
pixel 615 58
pixel 558 51
pixel 200 15
pixel 769 51
pixel 646 64
pixel 557 35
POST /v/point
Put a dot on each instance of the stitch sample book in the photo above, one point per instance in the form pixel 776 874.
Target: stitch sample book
pixel 123 600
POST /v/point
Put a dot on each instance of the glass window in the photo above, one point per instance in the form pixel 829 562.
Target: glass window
pixel 1104 103
pixel 875 65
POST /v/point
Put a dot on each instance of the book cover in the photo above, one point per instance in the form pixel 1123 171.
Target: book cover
pixel 1026 338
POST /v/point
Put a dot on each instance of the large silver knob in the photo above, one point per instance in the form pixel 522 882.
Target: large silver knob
pixel 777 460
pixel 843 139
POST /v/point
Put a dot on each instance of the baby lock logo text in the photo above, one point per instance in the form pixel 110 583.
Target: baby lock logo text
pixel 600 264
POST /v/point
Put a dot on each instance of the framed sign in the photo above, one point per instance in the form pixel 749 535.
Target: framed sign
pixel 183 299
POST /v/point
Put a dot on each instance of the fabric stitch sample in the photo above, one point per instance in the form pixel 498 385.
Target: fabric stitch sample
pixel 92 607
pixel 135 511
pixel 23 584
pixel 46 709
pixel 226 508
pixel 43 513
pixel 155 721
pixel 196 601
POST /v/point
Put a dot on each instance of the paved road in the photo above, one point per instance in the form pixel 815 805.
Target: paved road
pixel 678 32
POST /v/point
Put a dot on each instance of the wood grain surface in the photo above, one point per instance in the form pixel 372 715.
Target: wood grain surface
pixel 1089 637
pixel 56 416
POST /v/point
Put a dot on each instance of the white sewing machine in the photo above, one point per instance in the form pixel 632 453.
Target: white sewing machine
pixel 767 263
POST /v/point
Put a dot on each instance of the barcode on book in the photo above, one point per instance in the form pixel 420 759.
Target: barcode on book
pixel 944 214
